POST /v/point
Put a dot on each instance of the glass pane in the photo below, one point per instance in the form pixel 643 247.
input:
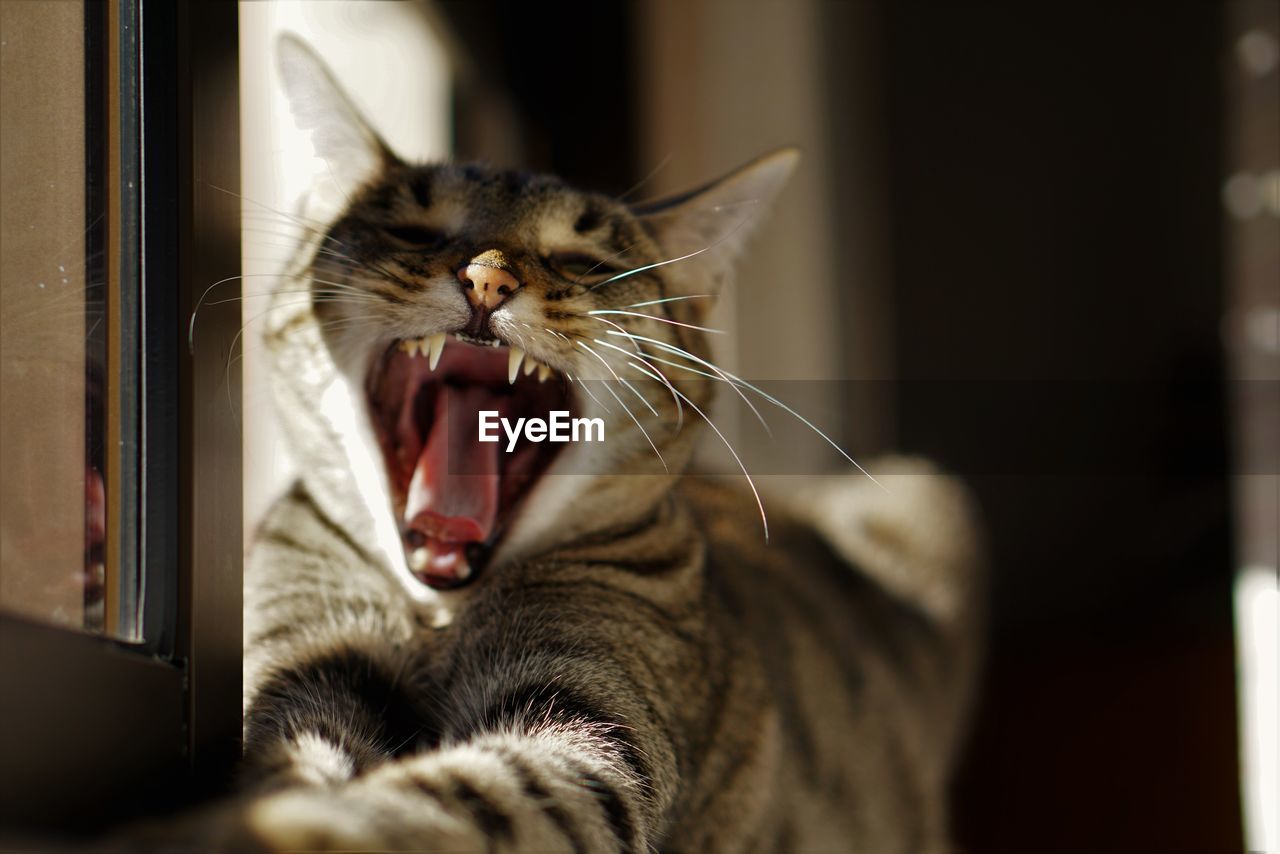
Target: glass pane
pixel 54 382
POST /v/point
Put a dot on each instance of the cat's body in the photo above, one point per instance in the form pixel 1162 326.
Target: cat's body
pixel 624 664
pixel 737 698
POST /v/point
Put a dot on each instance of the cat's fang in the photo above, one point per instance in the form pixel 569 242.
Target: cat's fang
pixel 513 364
pixel 419 558
pixel 435 344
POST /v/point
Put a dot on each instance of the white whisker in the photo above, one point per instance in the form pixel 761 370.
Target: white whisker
pixel 722 375
pixel 764 520
pixel 738 381
pixel 191 325
pixel 686 257
pixel 602 262
pixel 639 396
pixel 659 376
pixel 292 218
pixel 643 431
pixel 669 299
pixel 655 317
pixel 620 328
pixel 588 391
pixel 587 347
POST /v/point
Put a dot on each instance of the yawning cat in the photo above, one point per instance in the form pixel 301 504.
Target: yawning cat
pixel 459 645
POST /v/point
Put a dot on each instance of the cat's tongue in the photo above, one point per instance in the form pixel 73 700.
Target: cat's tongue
pixel 453 497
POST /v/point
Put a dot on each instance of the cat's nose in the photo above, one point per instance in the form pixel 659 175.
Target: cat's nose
pixel 487 285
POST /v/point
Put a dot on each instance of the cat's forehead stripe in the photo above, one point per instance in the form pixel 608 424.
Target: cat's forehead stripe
pixel 420 186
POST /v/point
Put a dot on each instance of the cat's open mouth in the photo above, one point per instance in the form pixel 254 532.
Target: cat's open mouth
pixel 452 494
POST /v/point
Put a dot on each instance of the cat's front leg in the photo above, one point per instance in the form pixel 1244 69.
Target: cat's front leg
pixel 561 789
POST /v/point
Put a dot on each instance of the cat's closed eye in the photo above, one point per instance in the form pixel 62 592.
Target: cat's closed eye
pixel 576 265
pixel 415 236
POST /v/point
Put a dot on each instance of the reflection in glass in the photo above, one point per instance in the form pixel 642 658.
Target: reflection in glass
pixel 53 320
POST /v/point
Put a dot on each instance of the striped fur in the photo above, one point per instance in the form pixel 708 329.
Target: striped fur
pixel 636 670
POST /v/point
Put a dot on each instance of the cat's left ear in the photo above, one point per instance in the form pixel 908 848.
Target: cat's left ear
pixel 710 225
pixel 340 134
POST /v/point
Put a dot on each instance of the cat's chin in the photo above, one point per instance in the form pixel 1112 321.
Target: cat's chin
pixel 452 494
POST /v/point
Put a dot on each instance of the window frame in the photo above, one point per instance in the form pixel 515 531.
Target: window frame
pixel 94 730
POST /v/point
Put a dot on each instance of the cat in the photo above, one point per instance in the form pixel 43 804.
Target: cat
pixel 569 647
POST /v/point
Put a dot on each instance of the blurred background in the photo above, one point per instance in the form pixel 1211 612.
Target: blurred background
pixel 1038 243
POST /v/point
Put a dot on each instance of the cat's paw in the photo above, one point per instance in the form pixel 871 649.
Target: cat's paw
pixel 350 820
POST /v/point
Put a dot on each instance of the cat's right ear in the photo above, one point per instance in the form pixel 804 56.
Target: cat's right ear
pixel 706 229
pixel 340 134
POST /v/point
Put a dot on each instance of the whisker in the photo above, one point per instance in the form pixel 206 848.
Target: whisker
pixel 354 293
pixel 627 409
pixel 668 299
pixel 647 178
pixel 639 397
pixel 659 319
pixel 329 168
pixel 343 322
pixel 619 328
pixel 660 377
pixel 265 210
pixel 588 391
pixel 601 263
pixel 343 285
pixel 738 381
pixel 378 268
pixel 294 241
pixel 232 356
pixel 191 326
pixel 646 267
pixel 322 235
pixel 643 431
pixel 607 366
pixel 723 375
pixel 764 519
pixel 291 217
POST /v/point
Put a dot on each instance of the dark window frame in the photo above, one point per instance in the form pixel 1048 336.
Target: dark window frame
pixel 95 730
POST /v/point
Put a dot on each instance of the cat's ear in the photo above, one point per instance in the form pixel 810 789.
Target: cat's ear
pixel 341 136
pixel 709 226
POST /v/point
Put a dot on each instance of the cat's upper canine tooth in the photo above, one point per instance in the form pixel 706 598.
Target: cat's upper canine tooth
pixel 435 346
pixel 543 373
pixel 513 364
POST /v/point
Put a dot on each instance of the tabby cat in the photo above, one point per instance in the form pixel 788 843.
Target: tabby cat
pixel 569 647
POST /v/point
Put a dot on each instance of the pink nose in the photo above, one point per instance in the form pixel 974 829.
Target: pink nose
pixel 487 286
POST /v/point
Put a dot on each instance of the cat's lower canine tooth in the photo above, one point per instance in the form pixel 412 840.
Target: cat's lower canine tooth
pixel 418 559
pixel 435 344
pixel 513 364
